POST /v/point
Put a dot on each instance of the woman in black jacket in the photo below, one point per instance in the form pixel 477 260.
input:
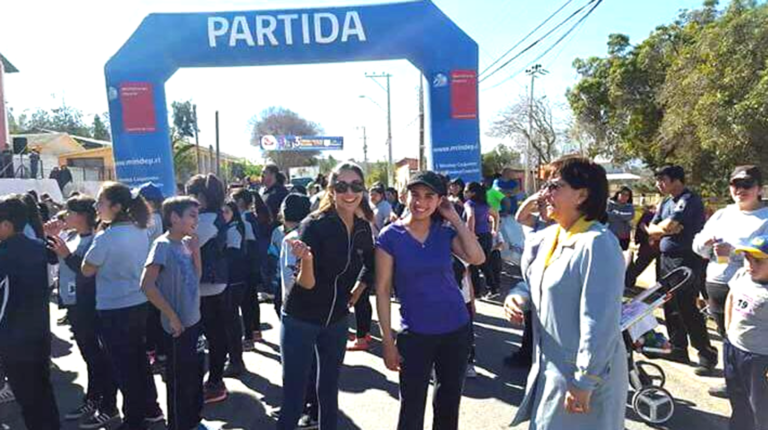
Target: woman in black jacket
pixel 335 264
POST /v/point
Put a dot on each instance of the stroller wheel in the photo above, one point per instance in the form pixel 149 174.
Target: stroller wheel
pixel 651 374
pixel 653 405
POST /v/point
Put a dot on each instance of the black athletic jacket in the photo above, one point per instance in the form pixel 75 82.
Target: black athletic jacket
pixel 340 261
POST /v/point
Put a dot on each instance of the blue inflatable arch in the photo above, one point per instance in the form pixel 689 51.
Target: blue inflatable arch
pixel 417 31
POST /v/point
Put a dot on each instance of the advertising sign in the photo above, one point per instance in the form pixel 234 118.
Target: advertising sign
pixel 301 143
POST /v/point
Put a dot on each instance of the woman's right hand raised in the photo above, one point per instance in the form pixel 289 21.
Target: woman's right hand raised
pixel 514 309
pixel 301 250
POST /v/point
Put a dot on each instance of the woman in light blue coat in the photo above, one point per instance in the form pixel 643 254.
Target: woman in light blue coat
pixel 574 279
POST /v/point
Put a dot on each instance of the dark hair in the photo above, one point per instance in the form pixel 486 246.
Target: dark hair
pixel 271 168
pixel 672 172
pixel 327 204
pixel 244 195
pixel 33 215
pixel 580 173
pixel 624 189
pixel 321 180
pixel 210 187
pixel 479 193
pixel 33 193
pixel 84 205
pixel 14 210
pixel 133 209
pixel 237 217
pixel 263 215
pixel 177 205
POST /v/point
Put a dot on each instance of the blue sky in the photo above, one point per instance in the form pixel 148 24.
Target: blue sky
pixel 61 47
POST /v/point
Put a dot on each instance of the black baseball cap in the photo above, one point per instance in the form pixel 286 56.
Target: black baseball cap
pixel 378 187
pixel 430 180
pixel 747 173
pixel 295 207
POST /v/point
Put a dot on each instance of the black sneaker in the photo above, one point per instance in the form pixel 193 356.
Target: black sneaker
pixel 100 420
pixel 678 355
pixel 155 415
pixel 306 422
pixel 720 391
pixel 86 409
pixel 233 370
pixel 707 363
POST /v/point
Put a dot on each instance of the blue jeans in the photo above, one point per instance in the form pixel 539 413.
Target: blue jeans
pixel 298 341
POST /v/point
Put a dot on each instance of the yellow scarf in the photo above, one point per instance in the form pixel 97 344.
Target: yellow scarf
pixel 579 226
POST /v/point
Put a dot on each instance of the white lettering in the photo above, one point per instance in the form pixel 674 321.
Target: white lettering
pixel 217 27
pixel 267 30
pixel 353 27
pixel 288 24
pixel 319 37
pixel 305 28
pixel 321 28
pixel 240 31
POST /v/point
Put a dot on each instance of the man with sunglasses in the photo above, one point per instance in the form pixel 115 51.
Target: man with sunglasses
pixel 679 218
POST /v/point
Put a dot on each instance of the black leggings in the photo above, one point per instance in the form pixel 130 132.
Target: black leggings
pixel 363 314
pixel 717 293
pixel 215 317
pixel 486 242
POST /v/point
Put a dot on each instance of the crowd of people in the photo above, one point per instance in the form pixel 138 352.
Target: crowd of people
pixel 151 284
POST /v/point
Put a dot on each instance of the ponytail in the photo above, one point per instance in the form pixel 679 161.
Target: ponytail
pixel 133 206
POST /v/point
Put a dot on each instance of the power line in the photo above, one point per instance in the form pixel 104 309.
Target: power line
pixel 529 47
pixel 548 50
pixel 524 37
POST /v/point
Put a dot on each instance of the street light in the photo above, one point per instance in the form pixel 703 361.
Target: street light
pixel 390 166
pixel 534 71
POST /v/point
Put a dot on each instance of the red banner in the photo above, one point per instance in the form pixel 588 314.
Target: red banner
pixel 138 107
pixel 464 94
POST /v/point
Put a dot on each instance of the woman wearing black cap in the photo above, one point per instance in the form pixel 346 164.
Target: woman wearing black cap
pixel 727 228
pixel 415 254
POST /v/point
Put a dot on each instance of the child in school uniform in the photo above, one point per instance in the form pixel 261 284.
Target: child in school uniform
pixel 293 210
pixel 745 350
pixel 237 260
pixel 171 281
pixel 25 336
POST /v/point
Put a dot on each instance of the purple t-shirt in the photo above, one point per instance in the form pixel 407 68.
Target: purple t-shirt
pixel 430 298
pixel 482 223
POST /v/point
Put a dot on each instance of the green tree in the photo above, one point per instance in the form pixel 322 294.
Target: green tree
pixel 182 130
pixel 99 129
pixel 281 121
pixel 693 93
pixel 64 119
pixel 498 158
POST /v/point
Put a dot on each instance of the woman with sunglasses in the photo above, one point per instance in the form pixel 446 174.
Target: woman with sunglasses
pixel 335 259
pixel 728 228
pixel 574 280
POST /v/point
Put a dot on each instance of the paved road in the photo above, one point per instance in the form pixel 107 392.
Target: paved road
pixel 369 393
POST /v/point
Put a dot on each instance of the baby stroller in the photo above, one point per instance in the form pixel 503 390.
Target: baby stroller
pixel 650 401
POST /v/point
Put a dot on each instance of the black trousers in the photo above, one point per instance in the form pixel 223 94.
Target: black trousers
pixel 682 317
pixel 102 386
pixel 184 378
pixel 123 335
pixel 448 354
pixel 486 242
pixel 746 378
pixel 716 296
pixel 30 379
pixel 364 314
pixel 234 297
pixel 215 317
pixel 645 256
pixel 155 332
pixel 526 345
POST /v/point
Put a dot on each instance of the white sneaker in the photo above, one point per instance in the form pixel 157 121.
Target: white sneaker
pixel 6 395
pixel 471 372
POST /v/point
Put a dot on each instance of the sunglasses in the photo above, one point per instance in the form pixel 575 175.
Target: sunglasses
pixel 551 186
pixel 342 187
pixel 743 183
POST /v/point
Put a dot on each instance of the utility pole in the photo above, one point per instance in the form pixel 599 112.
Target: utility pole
pixel 534 71
pixel 218 158
pixel 422 158
pixel 390 164
pixel 365 149
pixel 197 140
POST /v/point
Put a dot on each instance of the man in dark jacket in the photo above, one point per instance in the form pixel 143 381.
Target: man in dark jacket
pixel 274 190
